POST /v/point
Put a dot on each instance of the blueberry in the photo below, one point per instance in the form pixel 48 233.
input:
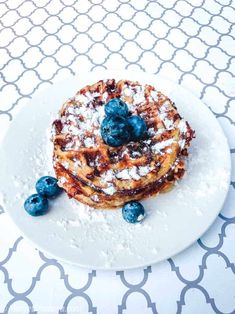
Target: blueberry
pixel 138 127
pixel 116 107
pixel 133 212
pixel 47 186
pixel 115 131
pixel 36 205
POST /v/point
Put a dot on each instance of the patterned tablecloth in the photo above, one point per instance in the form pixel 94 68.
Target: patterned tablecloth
pixel 190 42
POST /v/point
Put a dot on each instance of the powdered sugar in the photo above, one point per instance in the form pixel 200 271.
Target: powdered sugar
pixel 127 91
pixel 82 99
pixel 183 129
pixel 156 148
pixel 123 174
pixel 77 163
pixel 62 180
pixel 169 124
pixel 110 190
pixel 169 151
pixel 163 110
pixel 139 96
pixel 135 93
pixel 165 106
pixel 144 170
pixel 135 154
pixel 65 164
pixel 89 142
pixel 105 96
pixel 77 127
pixel 140 218
pixel 95 94
pixel 72 118
pixel 182 143
pixel 182 125
pixel 151 132
pixel 160 131
pixel 107 176
pixel 95 198
pixel 86 98
pixel 128 174
pixel 154 95
pixel 134 173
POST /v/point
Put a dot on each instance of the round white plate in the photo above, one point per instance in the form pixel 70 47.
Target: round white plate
pixel 102 239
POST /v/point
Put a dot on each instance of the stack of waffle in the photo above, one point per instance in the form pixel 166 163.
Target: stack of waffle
pixel 107 177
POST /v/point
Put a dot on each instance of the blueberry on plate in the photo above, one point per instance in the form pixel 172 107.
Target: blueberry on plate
pixel 47 186
pixel 133 212
pixel 36 205
pixel 116 107
pixel 115 131
pixel 138 127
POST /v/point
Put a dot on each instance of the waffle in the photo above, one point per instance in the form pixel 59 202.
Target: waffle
pixel 106 177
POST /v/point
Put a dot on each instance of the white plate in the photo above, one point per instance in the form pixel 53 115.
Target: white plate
pixel 102 239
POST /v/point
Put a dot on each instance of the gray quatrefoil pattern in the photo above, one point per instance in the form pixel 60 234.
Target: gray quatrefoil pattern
pixel 190 42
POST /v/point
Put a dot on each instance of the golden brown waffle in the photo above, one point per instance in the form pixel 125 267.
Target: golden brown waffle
pixel 107 177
